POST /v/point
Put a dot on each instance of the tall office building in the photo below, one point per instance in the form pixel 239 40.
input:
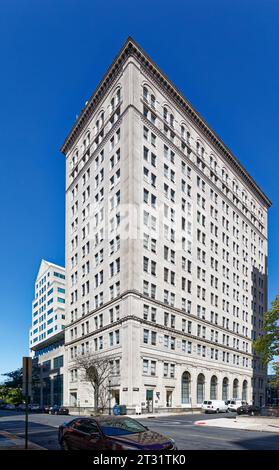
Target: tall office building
pixel 166 248
pixel 46 337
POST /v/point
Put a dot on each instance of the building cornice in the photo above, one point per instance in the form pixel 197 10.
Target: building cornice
pixel 159 329
pixel 129 49
pixel 135 293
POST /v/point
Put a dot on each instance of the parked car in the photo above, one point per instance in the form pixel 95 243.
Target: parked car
pixel 21 407
pixel 235 403
pixel 58 410
pixel 250 410
pixel 35 408
pixel 10 407
pixel 111 433
pixel 46 408
pixel 214 406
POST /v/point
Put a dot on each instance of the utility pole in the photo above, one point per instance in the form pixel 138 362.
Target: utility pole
pixel 26 389
pixel 109 397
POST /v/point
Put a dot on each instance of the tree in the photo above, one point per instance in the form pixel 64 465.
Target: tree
pixel 274 382
pixel 267 345
pixel 14 379
pixel 96 369
pixel 11 390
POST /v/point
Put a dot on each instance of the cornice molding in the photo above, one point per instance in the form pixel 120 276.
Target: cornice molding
pixel 161 329
pixel 137 294
pixel 129 49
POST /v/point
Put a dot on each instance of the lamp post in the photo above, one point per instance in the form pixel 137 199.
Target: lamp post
pixel 109 397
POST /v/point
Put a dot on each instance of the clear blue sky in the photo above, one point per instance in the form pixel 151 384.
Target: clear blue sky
pixel 222 54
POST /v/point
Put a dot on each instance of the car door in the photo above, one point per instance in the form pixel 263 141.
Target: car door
pixel 93 439
pixel 86 435
pixel 76 435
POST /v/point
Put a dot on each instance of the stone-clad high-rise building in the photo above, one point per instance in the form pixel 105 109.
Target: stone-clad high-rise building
pixel 166 247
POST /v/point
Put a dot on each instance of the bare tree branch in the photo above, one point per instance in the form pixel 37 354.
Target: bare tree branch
pixel 96 369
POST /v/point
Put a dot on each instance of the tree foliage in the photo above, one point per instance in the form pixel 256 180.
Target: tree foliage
pixel 11 396
pixel 274 382
pixel 14 378
pixel 267 345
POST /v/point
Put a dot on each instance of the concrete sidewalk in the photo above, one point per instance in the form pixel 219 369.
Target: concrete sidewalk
pixel 10 441
pixel 248 423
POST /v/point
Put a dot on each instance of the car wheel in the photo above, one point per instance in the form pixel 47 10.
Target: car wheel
pixel 64 445
pixel 217 411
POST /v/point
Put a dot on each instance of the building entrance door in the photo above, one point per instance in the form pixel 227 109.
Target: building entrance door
pixel 149 401
pixel 73 398
pixel 169 398
pixel 115 397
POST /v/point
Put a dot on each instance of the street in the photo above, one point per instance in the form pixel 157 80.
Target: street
pixel 188 436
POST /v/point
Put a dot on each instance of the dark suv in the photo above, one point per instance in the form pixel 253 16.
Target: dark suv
pixel 58 410
pixel 250 410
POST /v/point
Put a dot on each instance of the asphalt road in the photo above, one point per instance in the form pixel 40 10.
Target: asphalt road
pixel 43 431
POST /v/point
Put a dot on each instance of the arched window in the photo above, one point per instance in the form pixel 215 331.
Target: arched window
pixel 185 388
pixel 235 388
pixel 152 101
pixel 165 113
pixel 244 390
pixel 213 388
pixel 118 96
pixel 102 118
pixel 145 93
pixel 225 387
pixel 88 139
pixel 74 159
pixel 200 388
pixel 112 105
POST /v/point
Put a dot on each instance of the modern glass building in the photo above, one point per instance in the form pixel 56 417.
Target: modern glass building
pixel 46 339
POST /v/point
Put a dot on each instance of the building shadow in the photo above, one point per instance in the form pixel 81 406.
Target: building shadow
pixel 270 442
pixel 41 434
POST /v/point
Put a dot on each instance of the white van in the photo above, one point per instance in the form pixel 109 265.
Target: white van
pixel 214 406
pixel 235 403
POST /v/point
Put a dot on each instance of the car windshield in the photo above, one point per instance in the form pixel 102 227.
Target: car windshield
pixel 121 427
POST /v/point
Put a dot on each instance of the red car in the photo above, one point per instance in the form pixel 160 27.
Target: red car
pixel 111 433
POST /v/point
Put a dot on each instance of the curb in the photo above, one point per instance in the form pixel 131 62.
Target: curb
pixel 19 443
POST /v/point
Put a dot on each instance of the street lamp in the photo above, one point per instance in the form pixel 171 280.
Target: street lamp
pixel 109 397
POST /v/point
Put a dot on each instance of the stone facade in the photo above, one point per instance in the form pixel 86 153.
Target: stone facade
pixel 166 248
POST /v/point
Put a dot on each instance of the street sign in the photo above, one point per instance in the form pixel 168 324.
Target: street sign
pixel 27 376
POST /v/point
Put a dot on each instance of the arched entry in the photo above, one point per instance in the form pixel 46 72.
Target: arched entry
pixel 213 388
pixel 200 388
pixel 244 390
pixel 225 387
pixel 185 388
pixel 235 388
